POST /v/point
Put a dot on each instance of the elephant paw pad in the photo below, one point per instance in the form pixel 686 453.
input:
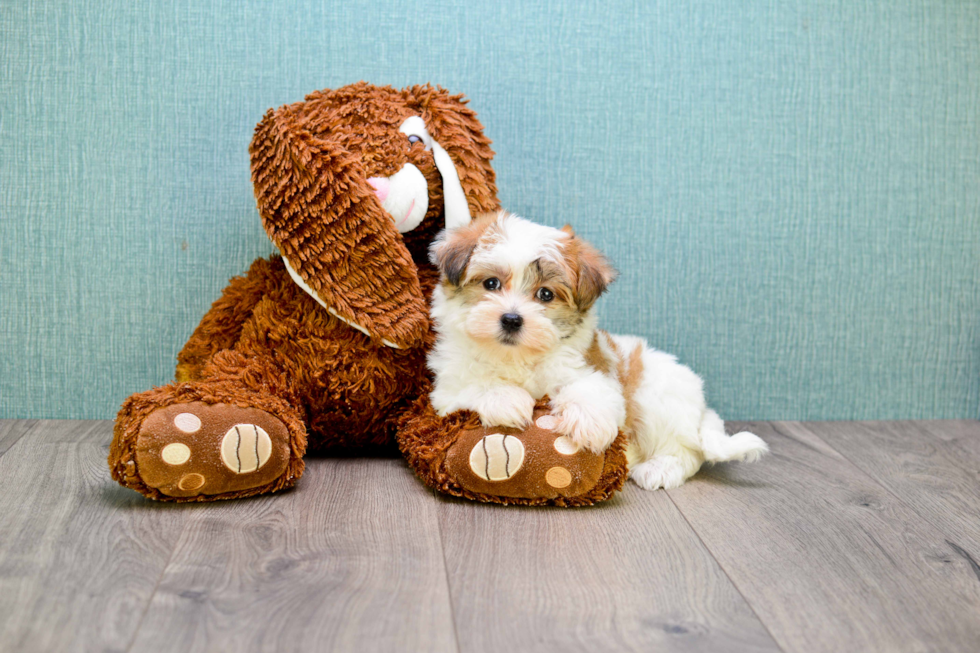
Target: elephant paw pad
pixel 245 448
pixel 537 462
pixel 497 457
pixel 189 449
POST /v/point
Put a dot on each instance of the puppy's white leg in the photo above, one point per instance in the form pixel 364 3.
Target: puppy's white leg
pixel 590 411
pixel 665 471
pixel 505 405
pixel 499 405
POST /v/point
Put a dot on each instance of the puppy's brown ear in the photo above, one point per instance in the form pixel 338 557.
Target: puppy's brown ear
pixel 319 210
pixel 594 273
pixel 452 248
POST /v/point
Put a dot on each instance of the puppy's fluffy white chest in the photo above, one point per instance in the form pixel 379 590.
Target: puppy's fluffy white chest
pixel 457 361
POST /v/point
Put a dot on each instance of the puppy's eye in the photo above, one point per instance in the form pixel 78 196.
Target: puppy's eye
pixel 544 294
pixel 493 283
pixel 413 139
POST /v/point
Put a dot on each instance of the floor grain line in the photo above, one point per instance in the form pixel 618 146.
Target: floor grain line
pixel 965 555
pixel 79 555
pixel 934 473
pixel 724 571
pixel 445 568
pixel 864 472
pixel 828 557
pixel 156 587
pixel 11 431
pixel 629 574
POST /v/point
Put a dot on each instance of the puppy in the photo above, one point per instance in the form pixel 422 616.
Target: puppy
pixel 514 322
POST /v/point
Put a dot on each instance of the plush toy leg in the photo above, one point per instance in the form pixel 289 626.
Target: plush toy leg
pixel 458 456
pixel 207 440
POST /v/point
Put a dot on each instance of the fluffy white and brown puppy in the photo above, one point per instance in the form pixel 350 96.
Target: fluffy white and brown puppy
pixel 514 321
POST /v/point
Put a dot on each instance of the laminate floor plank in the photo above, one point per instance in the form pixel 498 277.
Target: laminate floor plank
pixel 850 536
pixel 962 439
pixel 950 429
pixel 829 559
pixel 625 575
pixel 12 430
pixel 349 560
pixel 934 467
pixel 80 556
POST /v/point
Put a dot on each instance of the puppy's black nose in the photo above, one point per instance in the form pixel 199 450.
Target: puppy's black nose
pixel 511 322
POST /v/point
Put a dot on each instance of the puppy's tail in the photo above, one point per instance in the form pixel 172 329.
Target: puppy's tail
pixel 719 447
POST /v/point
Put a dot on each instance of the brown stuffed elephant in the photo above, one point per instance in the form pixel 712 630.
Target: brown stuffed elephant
pixel 324 346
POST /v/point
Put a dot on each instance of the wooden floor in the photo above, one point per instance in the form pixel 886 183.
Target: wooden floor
pixel 848 537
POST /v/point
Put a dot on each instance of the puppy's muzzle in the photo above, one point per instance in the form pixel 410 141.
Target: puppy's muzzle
pixel 511 322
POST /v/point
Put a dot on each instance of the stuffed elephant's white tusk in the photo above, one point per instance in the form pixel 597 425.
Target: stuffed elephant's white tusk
pixel 456 208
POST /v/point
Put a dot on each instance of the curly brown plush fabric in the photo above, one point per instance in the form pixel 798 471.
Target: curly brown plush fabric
pixel 271 371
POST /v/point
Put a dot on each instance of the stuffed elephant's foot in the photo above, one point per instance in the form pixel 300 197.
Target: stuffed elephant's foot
pixel 201 442
pixel 184 450
pixel 537 466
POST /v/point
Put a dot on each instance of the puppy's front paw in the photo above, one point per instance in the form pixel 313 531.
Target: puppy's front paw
pixel 507 406
pixel 587 426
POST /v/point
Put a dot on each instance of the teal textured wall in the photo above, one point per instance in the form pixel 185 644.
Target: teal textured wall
pixel 791 189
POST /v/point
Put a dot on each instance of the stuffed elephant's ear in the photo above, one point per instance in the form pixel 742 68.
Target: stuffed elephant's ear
pixel 337 240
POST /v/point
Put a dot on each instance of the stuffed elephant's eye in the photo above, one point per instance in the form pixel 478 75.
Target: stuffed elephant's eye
pixel 545 294
pixel 493 283
pixel 413 139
